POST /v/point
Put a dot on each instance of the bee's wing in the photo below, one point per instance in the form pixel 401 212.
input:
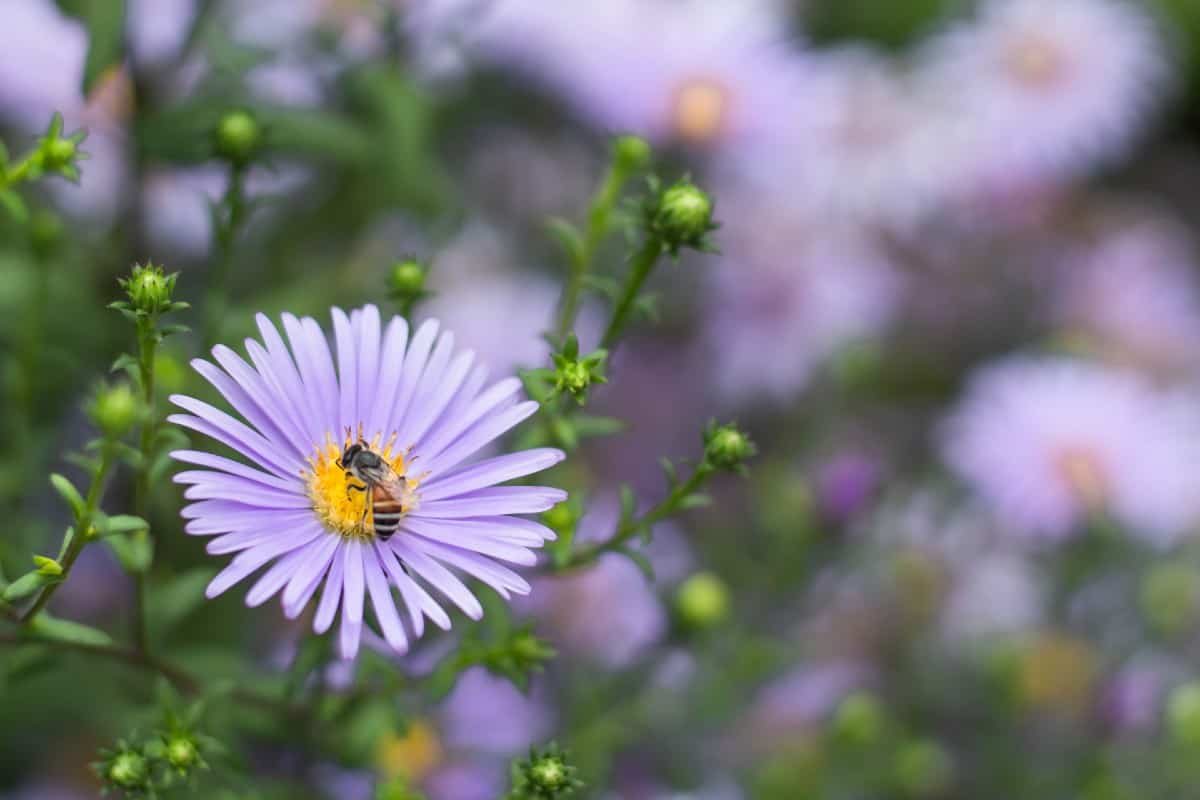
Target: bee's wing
pixel 392 483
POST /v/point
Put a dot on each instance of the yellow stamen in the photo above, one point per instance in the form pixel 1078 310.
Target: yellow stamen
pixel 1035 62
pixel 1084 473
pixel 338 506
pixel 413 755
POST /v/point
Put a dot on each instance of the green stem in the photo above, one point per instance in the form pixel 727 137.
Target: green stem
pixel 81 535
pixel 668 507
pixel 234 204
pixel 640 269
pixel 147 346
pixel 599 216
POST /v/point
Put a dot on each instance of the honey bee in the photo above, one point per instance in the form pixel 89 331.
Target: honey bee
pixel 388 493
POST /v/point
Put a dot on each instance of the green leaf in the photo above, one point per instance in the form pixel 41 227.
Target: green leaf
pixel 63 630
pixel 567 236
pixel 27 584
pixel 135 551
pixel 120 523
pixel 173 600
pixel 15 205
pixel 588 425
pixel 564 431
pixel 105 24
pixel 696 500
pixel 126 362
pixel 628 503
pixel 68 492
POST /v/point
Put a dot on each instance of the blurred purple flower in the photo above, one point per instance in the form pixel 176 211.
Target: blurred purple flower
pixel 1133 295
pixel 1133 697
pixel 1050 89
pixel 797 702
pixel 292 504
pixel 487 714
pixel 787 297
pixel 1047 442
pixel 996 594
pixel 846 482
pixel 702 72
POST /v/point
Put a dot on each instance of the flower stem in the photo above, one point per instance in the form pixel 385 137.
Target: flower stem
pixel 234 205
pixel 640 269
pixel 147 345
pixel 668 507
pixel 81 535
pixel 598 223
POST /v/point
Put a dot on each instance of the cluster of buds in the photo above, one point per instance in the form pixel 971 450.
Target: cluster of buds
pixel 546 774
pixel 149 291
pixel 57 154
pixel 574 375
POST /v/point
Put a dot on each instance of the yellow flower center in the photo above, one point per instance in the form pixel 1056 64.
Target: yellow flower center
pixel 700 110
pixel 1035 62
pixel 334 492
pixel 1083 471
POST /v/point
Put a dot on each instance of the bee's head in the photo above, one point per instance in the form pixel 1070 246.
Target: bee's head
pixel 348 455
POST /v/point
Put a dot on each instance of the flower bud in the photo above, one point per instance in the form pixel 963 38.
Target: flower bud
pixel 58 153
pixel 238 137
pixel 702 601
pixel 47 566
pixel 115 409
pixel 181 753
pixel 128 770
pixel 859 718
pixel 727 447
pixel 545 774
pixel 681 216
pixel 923 769
pixel 562 518
pixel 149 289
pixel 1183 714
pixel 407 278
pixel 631 153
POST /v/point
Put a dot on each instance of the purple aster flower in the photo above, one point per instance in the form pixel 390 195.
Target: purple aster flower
pixel 1050 89
pixel 1133 296
pixel 704 73
pixel 1048 442
pixel 424 409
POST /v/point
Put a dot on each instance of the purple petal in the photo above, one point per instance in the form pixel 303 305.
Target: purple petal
pixel 274 578
pixel 217 488
pixel 347 370
pixel 235 394
pixel 468 539
pixel 349 637
pixel 287 401
pixel 235 468
pixel 251 559
pixel 352 583
pixel 483 432
pixel 227 430
pixel 385 606
pixel 426 385
pixel 307 576
pixel 410 374
pixel 368 361
pixel 438 577
pixel 415 597
pixel 432 407
pixel 496 528
pixel 325 385
pixel 445 432
pixel 500 578
pixel 293 382
pixel 395 342
pixel 222 516
pixel 269 398
pixel 330 594
pixel 490 472
pixel 495 500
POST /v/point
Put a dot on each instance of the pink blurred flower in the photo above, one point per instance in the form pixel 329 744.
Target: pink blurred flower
pixel 1049 441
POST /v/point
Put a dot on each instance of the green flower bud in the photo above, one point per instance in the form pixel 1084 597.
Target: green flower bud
pixel 923 769
pixel 545 775
pixel 149 289
pixel 238 137
pixel 727 447
pixel 562 518
pixel 1183 714
pixel 58 153
pixel 702 601
pixel 115 409
pixel 128 770
pixel 47 566
pixel 682 217
pixel 860 718
pixel 631 153
pixel 182 753
pixel 1168 596
pixel 407 278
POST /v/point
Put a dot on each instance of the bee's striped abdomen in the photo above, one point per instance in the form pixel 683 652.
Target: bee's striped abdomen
pixel 387 512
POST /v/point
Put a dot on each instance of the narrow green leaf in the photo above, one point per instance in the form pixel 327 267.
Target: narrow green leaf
pixel 628 503
pixel 589 425
pixel 14 204
pixel 27 584
pixel 68 492
pixel 135 551
pixel 63 630
pixel 120 523
pixel 696 500
pixel 568 237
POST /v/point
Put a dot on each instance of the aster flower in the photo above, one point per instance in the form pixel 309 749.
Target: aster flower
pixel 1050 89
pixel 1049 442
pixel 699 72
pixel 1133 296
pixel 425 410
pixel 859 141
pixel 798 292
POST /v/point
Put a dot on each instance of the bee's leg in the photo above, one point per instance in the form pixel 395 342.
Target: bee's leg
pixel 355 488
pixel 362 521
